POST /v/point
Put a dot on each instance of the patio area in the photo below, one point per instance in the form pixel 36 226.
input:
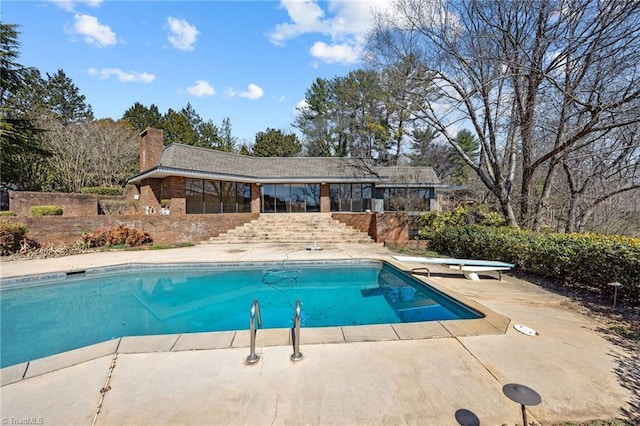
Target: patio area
pixel 372 375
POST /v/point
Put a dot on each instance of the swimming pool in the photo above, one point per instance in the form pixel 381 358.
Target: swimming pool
pixel 41 317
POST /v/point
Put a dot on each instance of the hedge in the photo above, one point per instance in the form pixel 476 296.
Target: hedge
pixel 102 190
pixel 46 211
pixel 586 259
pixel 7 213
pixel 11 234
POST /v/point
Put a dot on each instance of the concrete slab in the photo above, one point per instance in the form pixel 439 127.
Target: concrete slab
pixel 369 333
pixel 264 337
pixel 420 330
pixel 405 380
pixel 470 327
pixel 13 373
pixel 65 397
pixel 316 335
pixel 196 341
pixel 575 370
pixel 67 359
pixel 137 344
pixel 365 383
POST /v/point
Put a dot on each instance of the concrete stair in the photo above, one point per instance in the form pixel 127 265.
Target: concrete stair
pixel 293 228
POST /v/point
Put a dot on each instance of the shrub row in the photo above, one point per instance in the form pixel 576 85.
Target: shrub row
pixel 102 190
pixel 585 259
pixel 7 213
pixel 11 235
pixel 120 235
pixel 46 211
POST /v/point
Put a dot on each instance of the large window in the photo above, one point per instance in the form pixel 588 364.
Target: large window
pixel 407 199
pixel 350 197
pixel 284 197
pixel 212 196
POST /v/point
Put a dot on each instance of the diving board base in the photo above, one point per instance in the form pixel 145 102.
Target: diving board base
pixel 469 267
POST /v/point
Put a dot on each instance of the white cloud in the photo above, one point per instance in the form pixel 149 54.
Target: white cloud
pixel 253 92
pixel 70 5
pixel 306 17
pixel 300 107
pixel 182 35
pixel 201 88
pixel 125 77
pixel 94 32
pixel 344 22
pixel 336 53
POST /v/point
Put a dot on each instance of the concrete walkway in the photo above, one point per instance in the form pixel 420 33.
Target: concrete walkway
pixel 376 378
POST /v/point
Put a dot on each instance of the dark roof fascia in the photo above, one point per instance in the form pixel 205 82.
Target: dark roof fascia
pixel 160 172
pixel 144 175
pixel 410 185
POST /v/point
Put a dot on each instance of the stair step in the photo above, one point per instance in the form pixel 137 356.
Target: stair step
pixel 294 227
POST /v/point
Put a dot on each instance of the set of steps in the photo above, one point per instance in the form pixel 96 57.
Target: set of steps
pixel 307 228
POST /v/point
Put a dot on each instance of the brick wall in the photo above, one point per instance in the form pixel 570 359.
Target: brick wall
pixel 151 145
pixel 392 227
pixel 72 204
pixel 174 189
pixel 255 198
pixel 163 229
pixel 363 222
pixel 325 201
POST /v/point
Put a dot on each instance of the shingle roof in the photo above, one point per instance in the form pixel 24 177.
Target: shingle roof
pixel 407 176
pixel 196 162
pixel 187 160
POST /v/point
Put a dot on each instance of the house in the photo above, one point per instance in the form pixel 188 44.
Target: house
pixel 193 180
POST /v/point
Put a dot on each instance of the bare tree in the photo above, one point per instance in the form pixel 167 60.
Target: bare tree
pixel 599 171
pixel 534 79
pixel 94 153
pixel 114 152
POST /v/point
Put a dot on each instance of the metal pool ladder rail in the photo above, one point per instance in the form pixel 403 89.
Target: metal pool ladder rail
pixel 295 333
pixel 255 314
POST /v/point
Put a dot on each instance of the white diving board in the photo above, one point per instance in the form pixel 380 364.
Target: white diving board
pixel 469 267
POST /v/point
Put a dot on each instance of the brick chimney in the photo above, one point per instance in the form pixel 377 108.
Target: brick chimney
pixel 150 148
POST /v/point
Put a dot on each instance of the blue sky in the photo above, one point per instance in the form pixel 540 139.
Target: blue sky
pixel 251 61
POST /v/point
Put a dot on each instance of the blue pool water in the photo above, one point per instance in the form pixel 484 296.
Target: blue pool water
pixel 41 317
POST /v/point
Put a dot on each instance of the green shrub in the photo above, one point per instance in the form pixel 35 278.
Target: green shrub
pixel 117 236
pixel 11 235
pixel 46 211
pixel 7 213
pixel 102 190
pixel 479 214
pixel 586 259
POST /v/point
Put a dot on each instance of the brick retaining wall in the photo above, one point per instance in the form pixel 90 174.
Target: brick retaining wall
pixel 163 229
pixel 390 227
pixel 173 229
pixel 72 204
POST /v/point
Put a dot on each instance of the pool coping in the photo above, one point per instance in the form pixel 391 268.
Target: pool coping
pixel 490 323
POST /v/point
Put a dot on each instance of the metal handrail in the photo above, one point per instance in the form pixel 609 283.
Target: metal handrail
pixel 295 333
pixel 254 313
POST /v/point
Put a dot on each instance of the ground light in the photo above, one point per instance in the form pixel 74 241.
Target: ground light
pixel 615 285
pixel 523 395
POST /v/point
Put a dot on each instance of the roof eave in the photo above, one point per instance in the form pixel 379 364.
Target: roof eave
pixel 160 172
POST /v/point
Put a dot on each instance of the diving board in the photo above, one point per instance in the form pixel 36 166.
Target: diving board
pixel 469 267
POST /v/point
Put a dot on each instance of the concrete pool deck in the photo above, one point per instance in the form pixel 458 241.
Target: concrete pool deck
pixel 403 374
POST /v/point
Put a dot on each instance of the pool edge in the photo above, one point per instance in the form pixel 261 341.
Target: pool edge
pixel 490 323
